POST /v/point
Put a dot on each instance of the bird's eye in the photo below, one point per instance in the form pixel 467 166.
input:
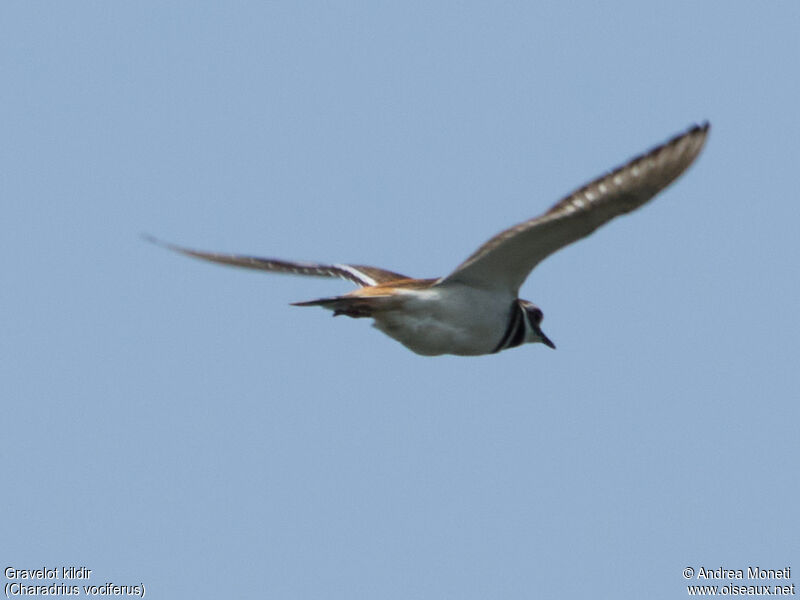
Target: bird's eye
pixel 536 315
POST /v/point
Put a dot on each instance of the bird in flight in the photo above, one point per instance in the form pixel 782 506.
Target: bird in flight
pixel 475 309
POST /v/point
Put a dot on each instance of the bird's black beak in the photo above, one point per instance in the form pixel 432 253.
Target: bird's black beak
pixel 544 339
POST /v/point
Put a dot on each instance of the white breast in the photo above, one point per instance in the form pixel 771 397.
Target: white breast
pixel 448 320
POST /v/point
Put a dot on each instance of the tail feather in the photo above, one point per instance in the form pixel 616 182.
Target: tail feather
pixel 318 302
pixel 350 306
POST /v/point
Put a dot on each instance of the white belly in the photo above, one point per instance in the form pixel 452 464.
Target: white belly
pixel 448 320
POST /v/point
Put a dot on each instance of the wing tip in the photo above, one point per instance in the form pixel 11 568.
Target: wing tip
pixel 691 143
pixel 147 237
pixel 697 132
pixel 151 239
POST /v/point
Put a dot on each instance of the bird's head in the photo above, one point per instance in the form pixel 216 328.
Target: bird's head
pixel 533 321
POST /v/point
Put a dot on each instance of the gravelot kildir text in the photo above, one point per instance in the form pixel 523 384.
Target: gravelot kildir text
pixel 63 581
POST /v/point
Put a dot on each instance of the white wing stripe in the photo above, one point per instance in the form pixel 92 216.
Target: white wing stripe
pixel 358 274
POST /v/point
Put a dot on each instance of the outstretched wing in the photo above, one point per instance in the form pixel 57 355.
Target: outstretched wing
pixel 505 261
pixel 359 274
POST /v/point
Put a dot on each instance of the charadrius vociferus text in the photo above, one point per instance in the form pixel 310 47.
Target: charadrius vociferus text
pixel 475 309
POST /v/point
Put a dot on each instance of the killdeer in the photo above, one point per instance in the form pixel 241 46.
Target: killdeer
pixel 475 309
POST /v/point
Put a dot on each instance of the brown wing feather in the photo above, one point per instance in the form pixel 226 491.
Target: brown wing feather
pixel 358 274
pixel 506 260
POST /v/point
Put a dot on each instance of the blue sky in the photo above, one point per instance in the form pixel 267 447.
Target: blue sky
pixel 177 424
